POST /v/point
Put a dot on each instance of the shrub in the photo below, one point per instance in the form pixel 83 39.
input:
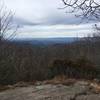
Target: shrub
pixel 81 68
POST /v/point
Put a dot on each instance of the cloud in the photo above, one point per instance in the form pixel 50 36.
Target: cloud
pixel 40 11
pixel 23 22
pixel 42 18
pixel 55 31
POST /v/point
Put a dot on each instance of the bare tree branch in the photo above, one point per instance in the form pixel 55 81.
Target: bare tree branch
pixel 6 23
pixel 89 9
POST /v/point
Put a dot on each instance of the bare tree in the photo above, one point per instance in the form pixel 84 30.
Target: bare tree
pixel 96 34
pixel 85 9
pixel 7 27
pixel 88 9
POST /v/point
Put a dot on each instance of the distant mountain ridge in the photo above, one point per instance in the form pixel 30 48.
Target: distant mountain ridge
pixel 46 41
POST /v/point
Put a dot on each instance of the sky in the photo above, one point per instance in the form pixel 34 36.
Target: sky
pixel 45 19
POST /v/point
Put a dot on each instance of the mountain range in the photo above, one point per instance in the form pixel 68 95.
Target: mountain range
pixel 45 41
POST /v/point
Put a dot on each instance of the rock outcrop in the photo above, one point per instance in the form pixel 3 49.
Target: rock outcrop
pixel 80 90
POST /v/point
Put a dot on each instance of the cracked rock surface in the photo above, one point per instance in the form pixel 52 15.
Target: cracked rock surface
pixel 77 91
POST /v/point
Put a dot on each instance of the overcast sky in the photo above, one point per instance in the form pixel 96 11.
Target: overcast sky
pixel 43 18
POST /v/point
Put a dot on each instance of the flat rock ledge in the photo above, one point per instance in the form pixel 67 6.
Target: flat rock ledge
pixel 78 91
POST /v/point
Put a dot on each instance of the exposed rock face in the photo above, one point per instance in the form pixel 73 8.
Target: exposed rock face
pixel 78 91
